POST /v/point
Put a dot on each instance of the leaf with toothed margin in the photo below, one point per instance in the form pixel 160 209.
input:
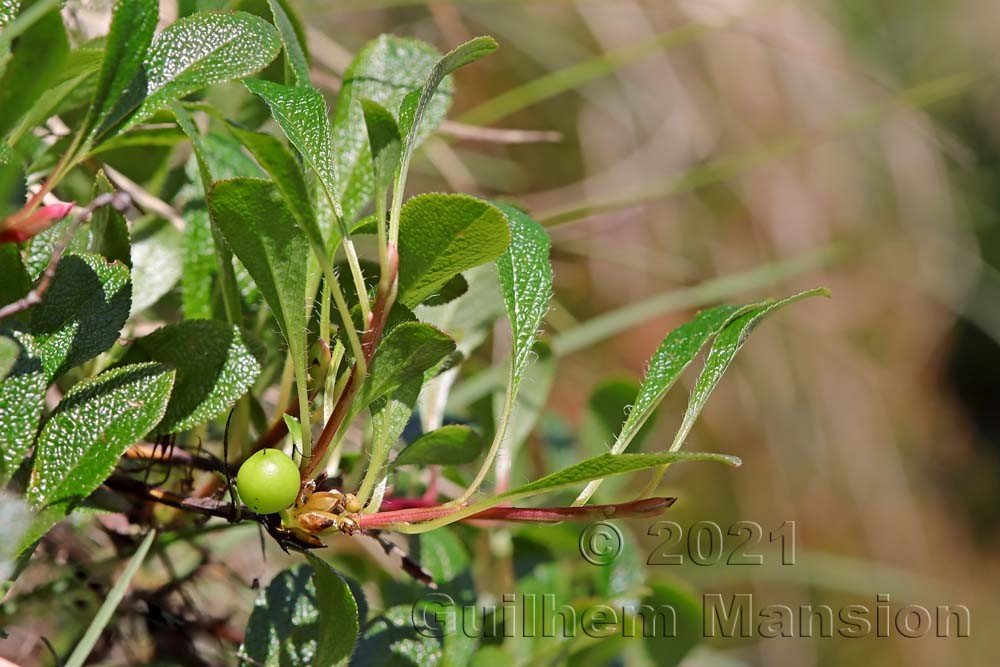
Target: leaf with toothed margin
pixel 729 341
pixel 284 170
pixel 31 66
pixel 293 43
pixel 214 363
pixel 22 394
pixel 414 106
pixel 121 87
pixel 526 282
pixel 449 445
pixel 405 353
pixel 306 617
pixel 82 313
pixel 442 235
pixel 301 113
pixel 384 71
pixel 261 231
pixel 90 428
pixel 194 52
pixel 676 352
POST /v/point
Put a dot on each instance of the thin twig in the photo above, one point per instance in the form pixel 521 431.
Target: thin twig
pixel 119 200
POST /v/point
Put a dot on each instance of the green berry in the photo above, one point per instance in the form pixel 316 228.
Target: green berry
pixel 268 481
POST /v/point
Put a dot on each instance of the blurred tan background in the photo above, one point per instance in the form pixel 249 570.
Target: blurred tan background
pixel 720 149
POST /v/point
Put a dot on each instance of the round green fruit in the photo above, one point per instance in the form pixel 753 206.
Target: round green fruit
pixel 268 481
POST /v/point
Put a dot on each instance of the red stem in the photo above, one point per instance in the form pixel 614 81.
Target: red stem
pixel 646 507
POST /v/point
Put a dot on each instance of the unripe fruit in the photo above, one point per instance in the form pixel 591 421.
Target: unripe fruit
pixel 268 481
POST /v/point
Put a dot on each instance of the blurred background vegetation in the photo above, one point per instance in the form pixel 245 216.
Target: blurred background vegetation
pixel 685 152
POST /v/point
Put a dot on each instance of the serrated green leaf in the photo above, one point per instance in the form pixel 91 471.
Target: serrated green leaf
pixel 292 41
pixel 121 87
pixel 669 649
pixel 306 617
pixel 22 392
pixel 214 363
pixel 196 51
pixel 15 283
pixel 157 261
pixel 384 72
pixel 413 108
pixel 392 640
pixel 457 286
pixel 405 353
pixel 284 170
pixel 526 282
pixel 35 62
pixel 443 555
pixel 385 145
pixel 677 350
pixel 338 614
pixel 442 235
pixel 108 232
pixel 262 232
pixel 90 428
pixel 728 342
pixel 529 403
pixel 199 266
pixel 449 445
pixel 82 313
pixel 301 113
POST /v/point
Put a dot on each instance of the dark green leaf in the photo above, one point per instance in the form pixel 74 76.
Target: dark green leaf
pixel 384 71
pixel 449 445
pixel 262 232
pixel 90 428
pixel 391 640
pixel 214 365
pixel 443 555
pixel 284 170
pixel 338 614
pixel 412 112
pixel 35 62
pixel 292 41
pixel 442 235
pixel 407 352
pixel 306 617
pixel 108 231
pixel 82 313
pixel 666 601
pixel 16 282
pixel 385 145
pixel 199 50
pixel 302 114
pixel 22 392
pixel 450 291
pixel 121 87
